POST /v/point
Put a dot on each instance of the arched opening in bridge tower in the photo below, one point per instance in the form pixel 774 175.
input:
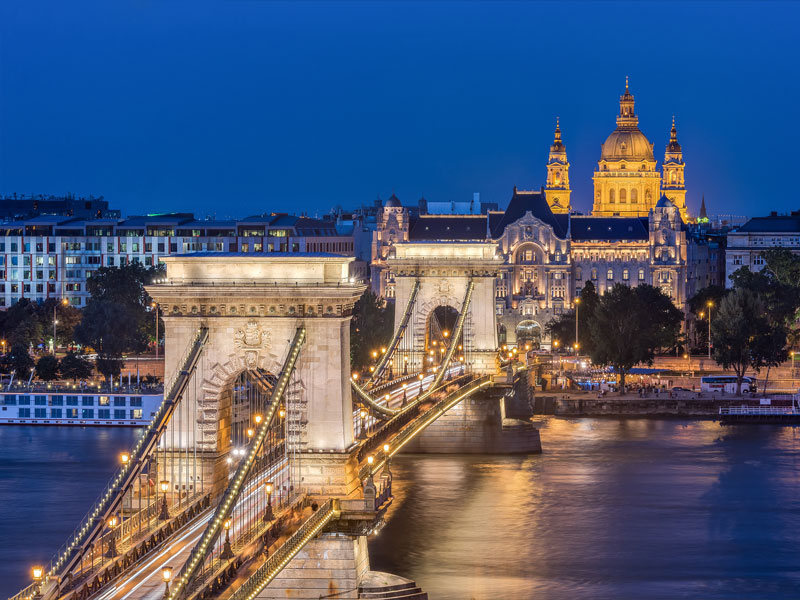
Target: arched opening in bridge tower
pixel 529 333
pixel 439 335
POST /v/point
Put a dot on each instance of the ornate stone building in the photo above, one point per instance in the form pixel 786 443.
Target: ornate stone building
pixel 636 233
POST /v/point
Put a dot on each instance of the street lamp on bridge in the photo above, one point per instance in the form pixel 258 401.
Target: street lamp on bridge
pixel 269 515
pixel 166 575
pixel 227 551
pixel 112 542
pixel 164 516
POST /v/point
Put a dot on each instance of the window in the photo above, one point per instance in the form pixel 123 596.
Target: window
pixel 623 196
pixel 55 413
pixel 634 196
pixel 72 413
pixel 87 401
pixel 24 400
pixel 123 246
pixel 87 413
pixel 578 274
pixel 110 261
pixel 610 274
pixel 103 401
pixel 161 247
pixel 57 401
pixel 119 401
pixel 40 400
pixel 611 196
pixel 641 274
pixel 625 275
pixel 136 401
pixel 104 413
pixel 594 274
pixel 119 413
pixel 134 246
pixel 24 413
pixel 40 413
pixel 10 400
pixel 737 260
pixel 136 413
pixel 148 246
pixel 72 401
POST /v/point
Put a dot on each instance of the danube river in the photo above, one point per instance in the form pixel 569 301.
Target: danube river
pixel 618 509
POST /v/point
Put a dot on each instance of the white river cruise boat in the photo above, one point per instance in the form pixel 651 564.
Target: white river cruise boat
pixel 80 407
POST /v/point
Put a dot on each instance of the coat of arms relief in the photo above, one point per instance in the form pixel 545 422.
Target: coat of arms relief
pixel 250 339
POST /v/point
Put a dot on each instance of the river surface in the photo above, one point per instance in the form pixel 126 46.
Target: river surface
pixel 617 509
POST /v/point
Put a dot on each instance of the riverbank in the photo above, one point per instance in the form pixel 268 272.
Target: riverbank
pixel 665 404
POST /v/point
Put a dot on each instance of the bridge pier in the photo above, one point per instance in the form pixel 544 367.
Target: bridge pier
pixel 495 421
pixel 330 566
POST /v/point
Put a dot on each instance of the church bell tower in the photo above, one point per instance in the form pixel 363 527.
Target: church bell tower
pixel 674 185
pixel 557 191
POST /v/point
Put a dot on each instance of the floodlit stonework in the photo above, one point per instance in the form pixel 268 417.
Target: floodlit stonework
pixel 253 305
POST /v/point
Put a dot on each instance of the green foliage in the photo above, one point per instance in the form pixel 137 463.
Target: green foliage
pixel 21 324
pixel 371 327
pixel 47 368
pixel 74 367
pixel 20 361
pixel 630 324
pixel 562 328
pixel 735 330
pixel 117 319
pixel 67 316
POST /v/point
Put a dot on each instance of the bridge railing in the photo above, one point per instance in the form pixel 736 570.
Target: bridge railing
pixel 281 557
pixel 93 523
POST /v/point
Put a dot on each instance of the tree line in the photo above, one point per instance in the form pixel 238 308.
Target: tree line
pixel 753 323
pixel 118 319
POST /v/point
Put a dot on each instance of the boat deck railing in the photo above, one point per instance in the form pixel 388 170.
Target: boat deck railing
pixel 757 410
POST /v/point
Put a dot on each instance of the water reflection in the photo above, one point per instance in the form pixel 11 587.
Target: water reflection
pixel 613 509
pixel 49 476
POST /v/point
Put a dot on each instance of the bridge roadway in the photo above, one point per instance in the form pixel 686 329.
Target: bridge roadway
pixel 143 581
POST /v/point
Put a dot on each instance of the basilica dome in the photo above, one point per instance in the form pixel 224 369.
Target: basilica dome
pixel 627 143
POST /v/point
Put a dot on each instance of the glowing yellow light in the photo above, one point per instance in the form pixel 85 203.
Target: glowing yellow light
pixel 250 432
pixel 268 486
pixel 445 333
pixel 383 350
pixel 112 522
pixel 362 413
pixel 164 486
pixel 355 376
pixel 258 419
pixel 370 459
pixel 166 573
pixel 386 448
pixel 37 572
pixel 124 458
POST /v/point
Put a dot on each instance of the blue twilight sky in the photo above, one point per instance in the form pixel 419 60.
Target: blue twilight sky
pixel 245 106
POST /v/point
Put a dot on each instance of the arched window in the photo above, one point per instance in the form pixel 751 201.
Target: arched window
pixel 578 274
pixel 610 275
pixel 673 177
pixel 634 196
pixel 611 196
pixel 625 275
pixel 641 274
pixel 648 197
pixel 594 274
pixel 623 197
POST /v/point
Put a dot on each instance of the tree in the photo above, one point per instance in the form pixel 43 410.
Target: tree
pixel 630 324
pixel 21 324
pixel 47 368
pixel 75 367
pixel 67 317
pixel 20 360
pixel 111 329
pixel 117 318
pixel 698 306
pixel 562 328
pixel 371 327
pixel 736 327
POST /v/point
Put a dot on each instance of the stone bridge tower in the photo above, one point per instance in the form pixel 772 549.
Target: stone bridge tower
pixel 444 270
pixel 253 305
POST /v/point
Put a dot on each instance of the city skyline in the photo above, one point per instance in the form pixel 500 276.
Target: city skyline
pixel 327 111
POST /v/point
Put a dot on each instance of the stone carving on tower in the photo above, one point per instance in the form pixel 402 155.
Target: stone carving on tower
pixel 557 191
pixel 668 250
pixel 626 183
pixel 674 186
pixel 250 339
